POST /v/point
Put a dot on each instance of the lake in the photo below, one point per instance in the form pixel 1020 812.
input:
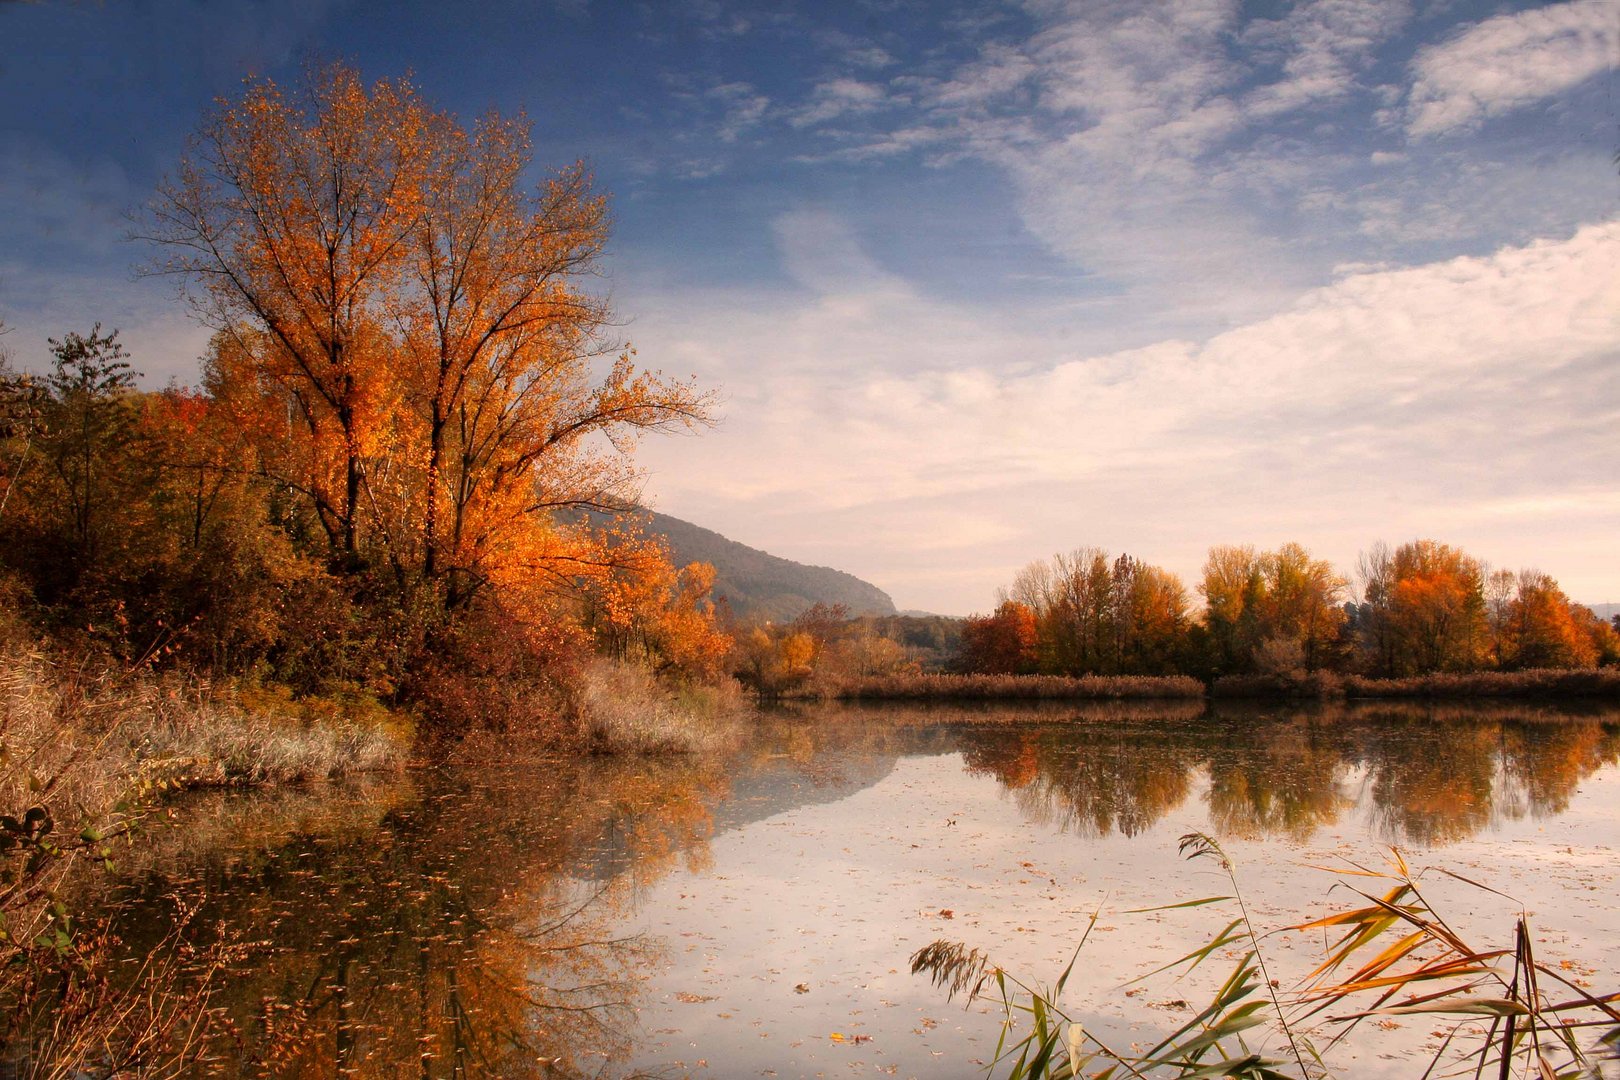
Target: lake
pixel 755 916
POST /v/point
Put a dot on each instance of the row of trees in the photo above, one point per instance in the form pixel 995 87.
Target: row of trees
pixel 1424 607
pixel 408 392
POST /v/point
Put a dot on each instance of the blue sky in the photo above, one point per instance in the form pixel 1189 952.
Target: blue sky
pixel 985 281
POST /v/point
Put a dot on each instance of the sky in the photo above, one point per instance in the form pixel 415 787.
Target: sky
pixel 982 282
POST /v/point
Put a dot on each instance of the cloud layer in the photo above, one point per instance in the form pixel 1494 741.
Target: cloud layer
pixel 1456 397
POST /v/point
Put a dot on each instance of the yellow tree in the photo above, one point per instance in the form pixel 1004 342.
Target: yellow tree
pixel 1232 586
pixel 1279 601
pixel 289 220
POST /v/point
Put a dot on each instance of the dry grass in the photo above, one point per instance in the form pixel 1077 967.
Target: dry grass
pixel 98 734
pixel 1533 683
pixel 622 708
pixel 921 687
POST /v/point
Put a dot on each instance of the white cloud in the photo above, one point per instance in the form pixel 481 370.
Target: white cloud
pixel 1163 148
pixel 1510 61
pixel 1323 44
pixel 837 98
pixel 1000 70
pixel 1391 403
pixel 741 108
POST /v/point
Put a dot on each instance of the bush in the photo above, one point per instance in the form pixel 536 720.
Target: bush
pixel 622 708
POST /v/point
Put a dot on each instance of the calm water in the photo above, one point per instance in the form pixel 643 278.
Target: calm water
pixel 754 917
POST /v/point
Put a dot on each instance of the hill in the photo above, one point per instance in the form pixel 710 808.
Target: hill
pixel 759 585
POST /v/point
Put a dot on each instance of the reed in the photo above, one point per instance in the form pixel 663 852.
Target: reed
pixel 621 707
pixel 1531 683
pixel 946 687
pixel 1391 953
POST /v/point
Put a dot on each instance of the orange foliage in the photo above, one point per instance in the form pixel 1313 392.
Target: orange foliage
pixel 1425 609
pixel 647 609
pixel 406 350
pixel 1002 643
pixel 1545 629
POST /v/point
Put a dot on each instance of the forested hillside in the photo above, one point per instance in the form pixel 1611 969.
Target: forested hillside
pixel 759 585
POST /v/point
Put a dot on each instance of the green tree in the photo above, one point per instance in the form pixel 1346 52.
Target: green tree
pixel 89 424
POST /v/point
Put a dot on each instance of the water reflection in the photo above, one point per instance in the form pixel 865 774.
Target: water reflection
pixel 465 922
pixel 1090 778
pixel 456 924
pixel 1424 776
pixel 1277 778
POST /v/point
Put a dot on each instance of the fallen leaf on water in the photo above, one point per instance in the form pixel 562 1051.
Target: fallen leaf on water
pixel 692 999
pixel 946 913
pixel 802 988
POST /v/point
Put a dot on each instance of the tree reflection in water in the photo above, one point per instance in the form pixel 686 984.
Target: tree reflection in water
pixel 465 931
pixel 1426 775
pixel 463 922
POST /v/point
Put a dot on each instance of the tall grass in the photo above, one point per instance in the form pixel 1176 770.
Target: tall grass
pixel 1531 683
pixel 86 749
pixel 943 687
pixel 1390 953
pixel 621 707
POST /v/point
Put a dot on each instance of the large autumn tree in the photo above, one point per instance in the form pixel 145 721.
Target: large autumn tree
pixel 1267 608
pixel 1423 609
pixel 402 325
pixel 1096 615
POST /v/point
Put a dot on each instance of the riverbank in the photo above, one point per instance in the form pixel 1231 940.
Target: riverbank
pixel 944 687
pixel 1550 683
pixel 1535 683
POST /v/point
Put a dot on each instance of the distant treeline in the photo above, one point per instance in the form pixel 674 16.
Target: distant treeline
pixel 1424 608
pixel 1430 620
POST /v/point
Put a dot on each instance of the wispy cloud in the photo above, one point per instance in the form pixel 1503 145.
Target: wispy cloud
pixel 1510 61
pixel 837 98
pixel 1404 400
pixel 1322 47
pixel 740 108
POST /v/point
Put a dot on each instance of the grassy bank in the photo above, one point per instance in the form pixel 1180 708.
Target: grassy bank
pixel 1537 683
pixel 1541 683
pixel 940 687
pixel 95 734
pixel 86 749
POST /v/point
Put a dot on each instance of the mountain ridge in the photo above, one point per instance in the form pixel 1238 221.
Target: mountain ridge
pixel 758 585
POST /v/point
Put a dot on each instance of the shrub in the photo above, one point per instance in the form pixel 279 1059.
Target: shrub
pixel 621 707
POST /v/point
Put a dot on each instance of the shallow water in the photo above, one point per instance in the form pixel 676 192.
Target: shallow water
pixel 755 917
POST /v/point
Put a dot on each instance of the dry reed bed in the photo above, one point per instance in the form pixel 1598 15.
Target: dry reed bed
pixel 1533 683
pixel 622 708
pixel 98 735
pixel 1011 687
pixel 1595 683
